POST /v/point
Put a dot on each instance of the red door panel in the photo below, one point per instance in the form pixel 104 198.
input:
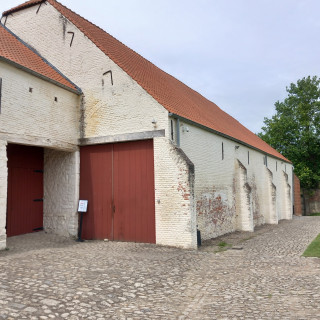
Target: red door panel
pixel 134 217
pixel 96 186
pixel 119 176
pixel 25 189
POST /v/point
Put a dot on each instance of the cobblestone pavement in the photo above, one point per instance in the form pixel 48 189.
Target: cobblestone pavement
pixel 262 276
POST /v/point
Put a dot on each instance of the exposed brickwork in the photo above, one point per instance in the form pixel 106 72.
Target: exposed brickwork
pixel 297 196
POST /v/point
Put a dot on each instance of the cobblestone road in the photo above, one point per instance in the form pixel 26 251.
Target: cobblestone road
pixel 263 276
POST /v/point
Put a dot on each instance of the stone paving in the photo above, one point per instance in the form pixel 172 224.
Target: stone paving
pixel 262 276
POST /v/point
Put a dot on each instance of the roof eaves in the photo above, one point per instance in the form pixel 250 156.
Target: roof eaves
pixel 39 75
pixel 77 89
pixel 225 136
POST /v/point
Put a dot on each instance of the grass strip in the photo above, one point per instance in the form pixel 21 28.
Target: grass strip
pixel 313 249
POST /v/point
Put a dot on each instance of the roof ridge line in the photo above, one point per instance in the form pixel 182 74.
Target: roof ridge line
pixel 78 89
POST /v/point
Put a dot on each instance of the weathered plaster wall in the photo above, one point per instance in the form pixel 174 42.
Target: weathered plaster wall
pixel 123 107
pixel 237 188
pixel 3 193
pixel 35 118
pixel 175 207
pixel 61 192
pixel 31 116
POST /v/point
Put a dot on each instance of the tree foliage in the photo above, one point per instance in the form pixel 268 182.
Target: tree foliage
pixel 295 130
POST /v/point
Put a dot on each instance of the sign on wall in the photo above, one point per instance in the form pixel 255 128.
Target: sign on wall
pixel 83 205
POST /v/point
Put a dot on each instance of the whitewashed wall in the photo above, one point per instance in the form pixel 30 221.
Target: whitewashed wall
pixel 234 192
pixel 36 119
pixel 175 207
pixel 61 192
pixel 123 107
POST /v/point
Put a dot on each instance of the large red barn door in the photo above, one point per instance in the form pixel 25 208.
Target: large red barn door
pixel 96 187
pixel 134 218
pixel 25 189
pixel 118 181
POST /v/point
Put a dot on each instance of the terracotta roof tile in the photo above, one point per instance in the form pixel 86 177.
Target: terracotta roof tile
pixel 16 51
pixel 25 5
pixel 175 96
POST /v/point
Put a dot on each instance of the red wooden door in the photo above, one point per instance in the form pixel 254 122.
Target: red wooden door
pixel 96 187
pixel 134 218
pixel 25 190
pixel 118 181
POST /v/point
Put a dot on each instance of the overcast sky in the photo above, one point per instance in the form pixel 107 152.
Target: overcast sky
pixel 240 54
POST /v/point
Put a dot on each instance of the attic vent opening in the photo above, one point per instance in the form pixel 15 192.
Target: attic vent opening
pixel 30 90
pixel 56 99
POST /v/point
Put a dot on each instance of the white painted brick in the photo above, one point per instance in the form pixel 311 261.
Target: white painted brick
pixel 34 117
pixel 175 210
pixel 123 107
pixel 216 189
pixel 61 192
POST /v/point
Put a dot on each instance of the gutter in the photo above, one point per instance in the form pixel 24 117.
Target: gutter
pixel 176 116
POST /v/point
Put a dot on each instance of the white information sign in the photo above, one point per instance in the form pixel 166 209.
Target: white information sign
pixel 83 205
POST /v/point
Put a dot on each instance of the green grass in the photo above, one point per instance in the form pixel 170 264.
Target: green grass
pixel 313 249
pixel 224 244
pixel 315 214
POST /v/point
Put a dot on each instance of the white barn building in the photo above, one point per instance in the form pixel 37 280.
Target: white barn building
pixel 155 159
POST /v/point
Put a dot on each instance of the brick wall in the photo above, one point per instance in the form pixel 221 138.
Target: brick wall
pixel 297 196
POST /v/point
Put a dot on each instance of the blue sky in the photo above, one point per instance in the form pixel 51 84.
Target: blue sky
pixel 240 54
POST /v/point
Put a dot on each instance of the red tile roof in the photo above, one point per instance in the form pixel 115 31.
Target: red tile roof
pixel 16 51
pixel 25 5
pixel 175 96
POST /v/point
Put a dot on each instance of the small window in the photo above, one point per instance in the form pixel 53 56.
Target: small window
pixel 30 90
pixel 55 99
pixel 266 161
pixel 172 130
pixel 276 165
pixel 222 150
pixel 248 157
